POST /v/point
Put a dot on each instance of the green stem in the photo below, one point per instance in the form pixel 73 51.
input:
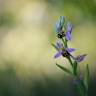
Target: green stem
pixel 75 68
pixel 66 43
pixel 79 87
pixel 70 61
pixel 63 41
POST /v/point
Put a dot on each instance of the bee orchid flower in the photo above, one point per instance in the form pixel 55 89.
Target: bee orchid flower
pixel 80 58
pixel 64 34
pixel 65 52
pixel 60 31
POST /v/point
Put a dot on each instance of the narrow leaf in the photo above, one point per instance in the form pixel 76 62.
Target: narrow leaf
pixel 75 68
pixel 86 77
pixel 54 46
pixel 79 90
pixel 64 69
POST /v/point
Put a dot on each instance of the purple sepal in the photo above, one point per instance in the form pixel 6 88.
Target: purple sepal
pixel 68 36
pixel 58 54
pixel 80 57
pixel 68 27
pixel 57 26
pixel 62 19
pixel 58 45
pixel 70 50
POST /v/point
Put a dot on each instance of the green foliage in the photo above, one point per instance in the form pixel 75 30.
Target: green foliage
pixel 86 77
pixel 75 67
pixel 7 19
pixel 54 46
pixel 64 69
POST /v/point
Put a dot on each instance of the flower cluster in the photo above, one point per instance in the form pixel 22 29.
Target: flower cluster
pixel 63 32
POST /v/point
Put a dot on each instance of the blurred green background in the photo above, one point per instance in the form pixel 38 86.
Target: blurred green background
pixel 27 67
